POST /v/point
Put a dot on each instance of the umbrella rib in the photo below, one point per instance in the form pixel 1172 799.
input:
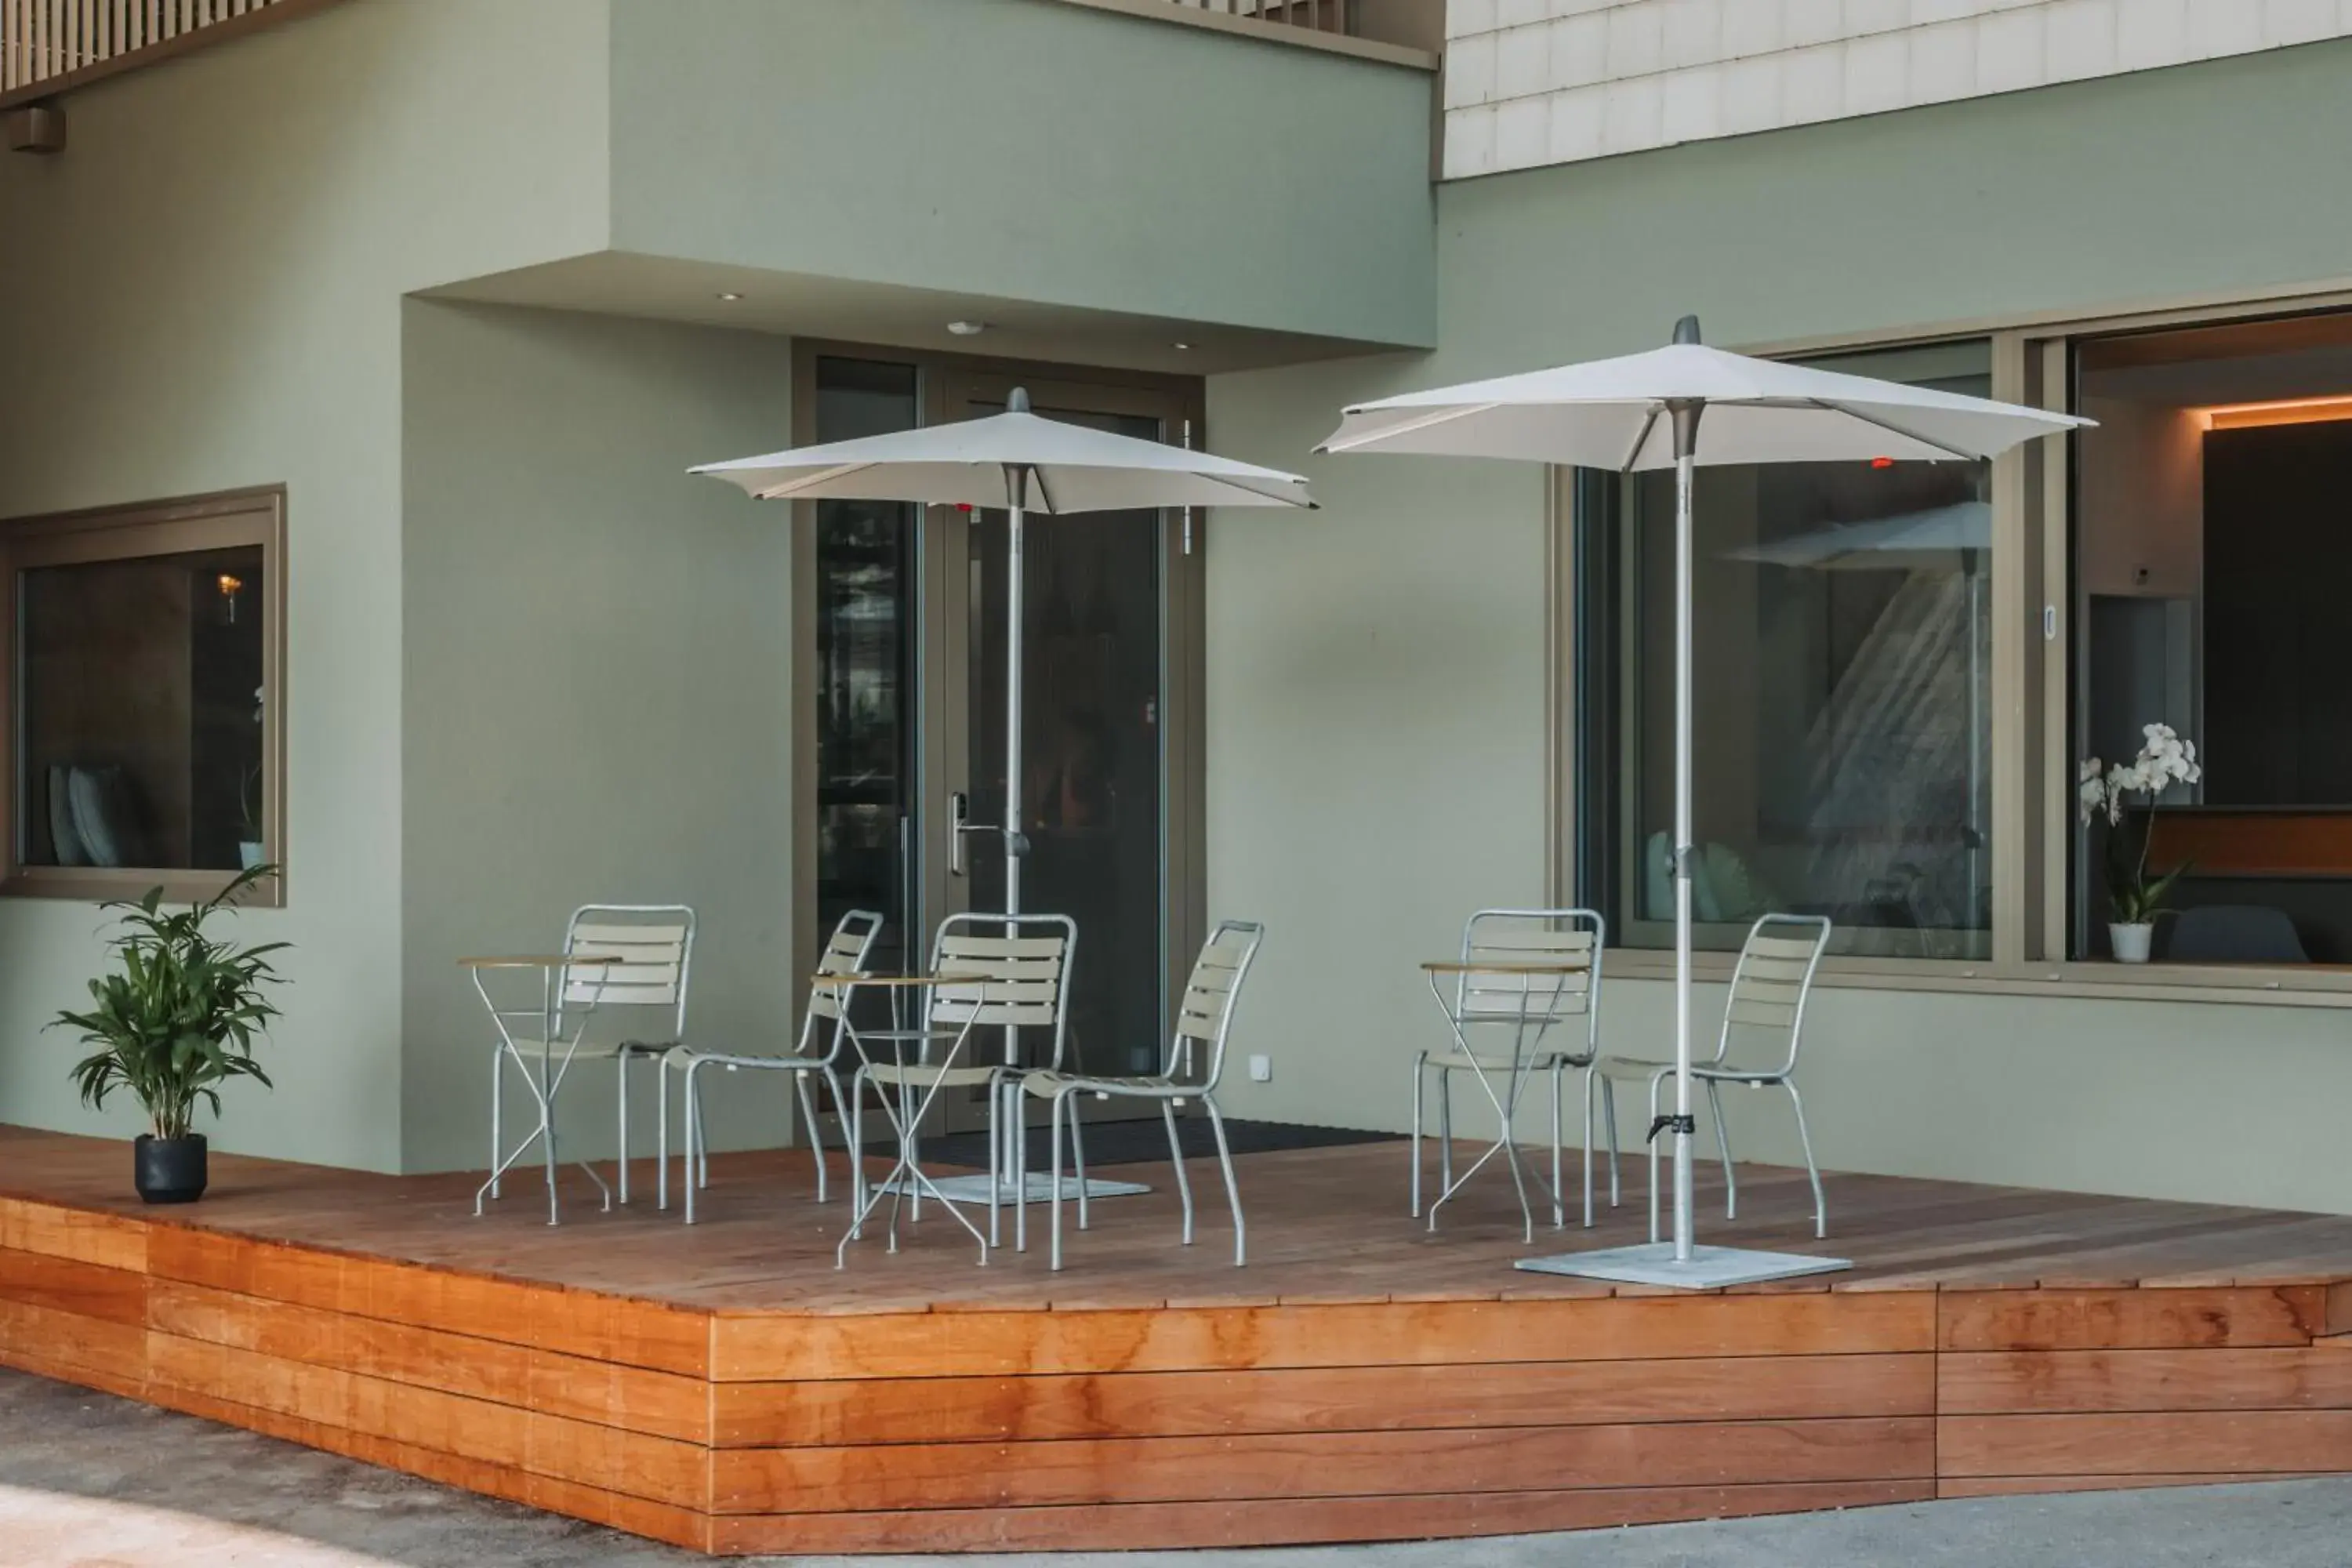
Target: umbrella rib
pixel 1633 454
pixel 1852 413
pixel 1038 478
pixel 788 490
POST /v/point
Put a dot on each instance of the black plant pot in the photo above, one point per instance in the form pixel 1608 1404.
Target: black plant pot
pixel 169 1169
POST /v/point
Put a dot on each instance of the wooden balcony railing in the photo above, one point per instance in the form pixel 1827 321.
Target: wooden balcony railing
pixel 49 46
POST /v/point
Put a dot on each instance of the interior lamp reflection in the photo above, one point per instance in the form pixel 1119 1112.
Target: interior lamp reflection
pixel 2287 410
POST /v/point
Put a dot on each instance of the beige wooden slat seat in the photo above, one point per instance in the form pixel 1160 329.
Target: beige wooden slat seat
pixel 1515 1024
pixel 1770 985
pixel 1016 971
pixel 1193 1062
pixel 818 1053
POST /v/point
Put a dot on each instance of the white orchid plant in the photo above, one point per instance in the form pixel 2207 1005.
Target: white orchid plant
pixel 2164 760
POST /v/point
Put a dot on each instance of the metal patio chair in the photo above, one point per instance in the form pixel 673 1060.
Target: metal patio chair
pixel 648 952
pixel 845 953
pixel 1531 1009
pixel 1204 1016
pixel 1024 960
pixel 1770 987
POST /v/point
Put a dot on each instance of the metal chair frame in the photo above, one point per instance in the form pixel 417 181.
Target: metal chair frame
pixel 1530 1009
pixel 664 967
pixel 1205 1014
pixel 1770 985
pixel 1014 963
pixel 845 952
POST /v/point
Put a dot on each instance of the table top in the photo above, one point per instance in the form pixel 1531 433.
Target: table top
pixel 891 980
pixel 538 961
pixel 1486 966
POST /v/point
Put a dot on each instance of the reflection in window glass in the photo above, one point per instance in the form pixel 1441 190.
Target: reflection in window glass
pixel 141 741
pixel 1843 683
pixel 865 592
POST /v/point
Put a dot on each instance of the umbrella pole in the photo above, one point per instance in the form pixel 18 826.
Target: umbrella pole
pixel 1687 417
pixel 1016 484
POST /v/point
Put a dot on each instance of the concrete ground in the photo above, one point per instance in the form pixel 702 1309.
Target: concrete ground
pixel 90 1481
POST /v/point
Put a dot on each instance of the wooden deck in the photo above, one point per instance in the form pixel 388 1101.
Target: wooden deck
pixel 724 1388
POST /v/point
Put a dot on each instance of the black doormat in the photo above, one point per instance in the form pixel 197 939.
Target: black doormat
pixel 1136 1142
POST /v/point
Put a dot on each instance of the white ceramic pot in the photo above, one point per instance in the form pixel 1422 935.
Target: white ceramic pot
pixel 2130 941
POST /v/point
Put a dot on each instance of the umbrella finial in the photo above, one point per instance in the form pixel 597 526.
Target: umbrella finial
pixel 1686 330
pixel 1018 403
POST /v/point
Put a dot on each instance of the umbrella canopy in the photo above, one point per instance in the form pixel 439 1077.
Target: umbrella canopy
pixel 1680 407
pixel 1059 468
pixel 1615 414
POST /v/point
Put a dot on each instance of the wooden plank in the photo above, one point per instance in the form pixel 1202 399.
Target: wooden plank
pixel 632 1398
pixel 576 1322
pixel 604 1458
pixel 639 1516
pixel 2200 1442
pixel 1284 1523
pixel 2053 1381
pixel 1341 1399
pixel 105 1239
pixel 2128 1319
pixel 97 1351
pixel 1358 1464
pixel 2014 1486
pixel 66 1285
pixel 782 1348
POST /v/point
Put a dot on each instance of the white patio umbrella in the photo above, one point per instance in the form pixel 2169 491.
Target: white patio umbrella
pixel 1679 406
pixel 1018 462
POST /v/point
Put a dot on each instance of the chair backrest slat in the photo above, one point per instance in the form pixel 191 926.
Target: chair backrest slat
pixel 1024 960
pixel 1772 982
pixel 1574 939
pixel 653 947
pixel 1205 1010
pixel 845 953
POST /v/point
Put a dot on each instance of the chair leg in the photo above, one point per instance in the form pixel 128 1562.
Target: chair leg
pixel 692 1090
pixel 805 1092
pixel 1020 1147
pixel 1589 1076
pixel 1821 1204
pixel 1723 1150
pixel 1078 1161
pixel 1054 1252
pixel 548 1147
pixel 1558 1190
pixel 996 1110
pixel 661 1138
pixel 840 1110
pixel 497 1114
pixel 1652 1143
pixel 1176 1154
pixel 1609 1114
pixel 1419 1087
pixel 1444 1137
pixel 621 1079
pixel 1233 1187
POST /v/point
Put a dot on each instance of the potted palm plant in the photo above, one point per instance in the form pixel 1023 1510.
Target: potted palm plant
pixel 2135 898
pixel 175 1020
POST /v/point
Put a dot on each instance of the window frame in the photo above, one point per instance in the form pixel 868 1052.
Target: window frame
pixel 181 525
pixel 2031 675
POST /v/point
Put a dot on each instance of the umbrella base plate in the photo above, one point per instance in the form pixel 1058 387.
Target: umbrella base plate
pixel 1708 1268
pixel 974 1189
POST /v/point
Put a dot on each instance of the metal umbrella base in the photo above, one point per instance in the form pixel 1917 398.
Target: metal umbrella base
pixel 1707 1267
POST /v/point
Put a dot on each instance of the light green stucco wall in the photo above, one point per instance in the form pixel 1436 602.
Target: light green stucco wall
pixel 1028 150
pixel 204 292
pixel 594 698
pixel 1376 671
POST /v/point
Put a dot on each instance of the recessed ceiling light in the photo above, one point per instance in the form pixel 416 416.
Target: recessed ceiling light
pixel 729 296
pixel 1182 348
pixel 967 329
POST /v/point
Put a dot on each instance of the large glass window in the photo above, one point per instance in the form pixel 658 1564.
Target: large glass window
pixel 143 646
pixel 1843 680
pixel 2212 566
pixel 864 719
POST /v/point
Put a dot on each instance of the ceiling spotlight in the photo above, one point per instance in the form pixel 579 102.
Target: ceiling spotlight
pixel 729 296
pixel 967 329
pixel 1182 348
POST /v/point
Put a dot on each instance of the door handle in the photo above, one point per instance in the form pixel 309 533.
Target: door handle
pixel 960 821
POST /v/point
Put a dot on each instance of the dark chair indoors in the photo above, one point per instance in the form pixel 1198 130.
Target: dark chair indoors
pixel 2235 933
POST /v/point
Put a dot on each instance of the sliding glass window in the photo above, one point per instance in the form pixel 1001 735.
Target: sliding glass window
pixel 1843 688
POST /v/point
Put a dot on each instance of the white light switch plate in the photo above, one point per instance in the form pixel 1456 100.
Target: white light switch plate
pixel 1261 1070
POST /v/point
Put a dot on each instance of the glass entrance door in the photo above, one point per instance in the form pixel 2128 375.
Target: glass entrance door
pixel 1104 596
